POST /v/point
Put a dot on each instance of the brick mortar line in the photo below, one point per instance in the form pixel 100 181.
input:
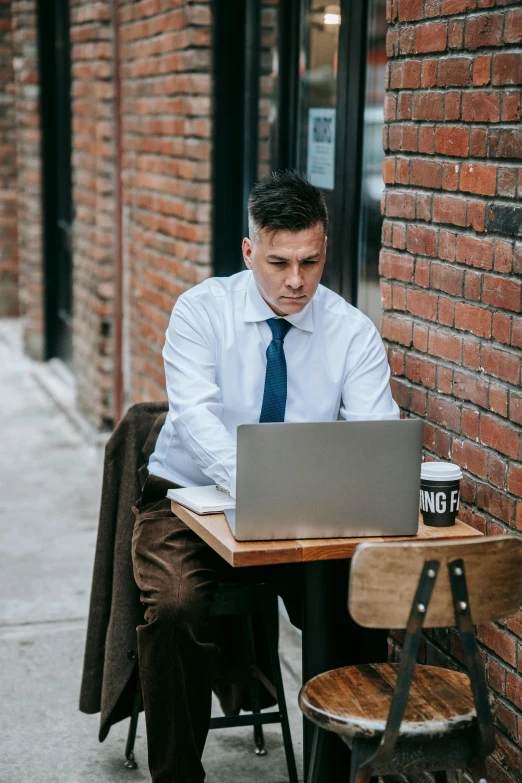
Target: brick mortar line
pixel 466 194
pixel 460 124
pixel 502 48
pixel 171 200
pixel 424 158
pixel 454 230
pixel 472 13
pixel 134 134
pixel 140 264
pixel 412 286
pixel 468 88
pixel 147 232
pixel 175 280
pixel 156 308
pixel 490 653
pixel 490 519
pixel 182 221
pixel 440 158
pixel 490 341
pixel 509 349
pixel 166 115
pixel 447 364
pixel 488 449
pixel 476 373
pixel 405 254
pixel 471 404
pixel 155 36
pixel 173 179
pixel 475 476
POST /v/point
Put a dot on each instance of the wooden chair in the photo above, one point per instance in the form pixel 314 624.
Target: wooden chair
pixel 399 717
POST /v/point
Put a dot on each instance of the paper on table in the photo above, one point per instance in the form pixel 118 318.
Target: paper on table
pixel 202 500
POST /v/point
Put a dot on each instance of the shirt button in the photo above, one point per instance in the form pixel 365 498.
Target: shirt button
pixel 131 655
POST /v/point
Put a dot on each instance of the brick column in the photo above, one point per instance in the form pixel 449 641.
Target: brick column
pixel 92 94
pixel 451 286
pixel 8 198
pixel 166 173
pixel 28 166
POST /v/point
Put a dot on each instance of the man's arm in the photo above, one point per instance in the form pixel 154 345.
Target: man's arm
pixel 366 390
pixel 195 401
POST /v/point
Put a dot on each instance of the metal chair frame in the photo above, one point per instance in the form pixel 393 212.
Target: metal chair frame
pixel 391 753
pixel 244 601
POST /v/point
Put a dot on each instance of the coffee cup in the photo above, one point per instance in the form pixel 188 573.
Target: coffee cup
pixel 439 493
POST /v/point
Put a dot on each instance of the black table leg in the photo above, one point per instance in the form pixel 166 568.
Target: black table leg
pixel 331 639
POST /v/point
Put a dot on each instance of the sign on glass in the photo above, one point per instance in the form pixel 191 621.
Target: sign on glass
pixel 321 148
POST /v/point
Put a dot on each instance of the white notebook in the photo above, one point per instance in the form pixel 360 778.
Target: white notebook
pixel 202 500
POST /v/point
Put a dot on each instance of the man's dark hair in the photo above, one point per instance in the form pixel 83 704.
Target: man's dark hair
pixel 285 201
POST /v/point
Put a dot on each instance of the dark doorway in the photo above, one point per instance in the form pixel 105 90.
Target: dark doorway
pixel 55 111
pixel 236 88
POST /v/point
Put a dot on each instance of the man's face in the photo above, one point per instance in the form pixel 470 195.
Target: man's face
pixel 287 266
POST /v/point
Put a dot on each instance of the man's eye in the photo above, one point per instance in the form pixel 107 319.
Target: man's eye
pixel 309 263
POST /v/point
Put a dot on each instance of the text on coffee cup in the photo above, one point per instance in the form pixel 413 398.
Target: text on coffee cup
pixel 435 502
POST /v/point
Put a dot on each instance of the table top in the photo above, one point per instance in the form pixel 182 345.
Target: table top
pixel 215 530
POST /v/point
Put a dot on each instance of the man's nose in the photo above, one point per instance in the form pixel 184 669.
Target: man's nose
pixel 294 279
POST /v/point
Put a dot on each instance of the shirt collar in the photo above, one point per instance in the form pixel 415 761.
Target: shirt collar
pixel 256 309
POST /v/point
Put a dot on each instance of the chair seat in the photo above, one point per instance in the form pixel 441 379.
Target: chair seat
pixel 355 701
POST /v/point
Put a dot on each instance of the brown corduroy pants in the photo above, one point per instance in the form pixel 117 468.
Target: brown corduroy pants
pixel 178 575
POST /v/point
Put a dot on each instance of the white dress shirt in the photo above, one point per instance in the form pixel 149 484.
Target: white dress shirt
pixel 215 366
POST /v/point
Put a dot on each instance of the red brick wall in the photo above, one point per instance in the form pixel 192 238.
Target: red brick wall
pixel 8 232
pixel 165 52
pixel 29 173
pixel 451 276
pixel 92 94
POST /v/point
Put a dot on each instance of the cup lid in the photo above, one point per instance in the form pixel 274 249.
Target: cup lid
pixel 440 471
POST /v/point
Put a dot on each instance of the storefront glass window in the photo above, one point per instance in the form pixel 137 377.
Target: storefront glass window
pixel 317 106
pixel 369 297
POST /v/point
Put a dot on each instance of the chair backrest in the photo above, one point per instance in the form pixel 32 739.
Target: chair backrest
pixel 384 578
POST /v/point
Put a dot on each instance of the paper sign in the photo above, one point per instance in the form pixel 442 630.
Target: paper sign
pixel 321 148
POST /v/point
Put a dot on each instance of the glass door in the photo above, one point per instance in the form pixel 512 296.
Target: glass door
pixel 318 60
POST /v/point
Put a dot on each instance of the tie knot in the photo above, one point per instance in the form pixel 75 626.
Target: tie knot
pixel 279 327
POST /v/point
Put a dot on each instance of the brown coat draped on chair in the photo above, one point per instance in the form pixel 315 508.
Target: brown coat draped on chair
pixel 110 663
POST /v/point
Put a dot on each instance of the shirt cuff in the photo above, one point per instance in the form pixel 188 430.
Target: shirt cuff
pixel 232 485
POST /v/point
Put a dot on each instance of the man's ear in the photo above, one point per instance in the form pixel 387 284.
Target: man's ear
pixel 247 252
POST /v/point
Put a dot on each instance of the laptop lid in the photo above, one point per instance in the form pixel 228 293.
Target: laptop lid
pixel 328 479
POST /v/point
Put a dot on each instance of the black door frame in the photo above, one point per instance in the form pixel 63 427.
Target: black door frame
pixel 236 92
pixel 57 211
pixel 236 26
pixel 351 81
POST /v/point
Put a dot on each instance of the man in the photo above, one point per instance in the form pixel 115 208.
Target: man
pixel 267 344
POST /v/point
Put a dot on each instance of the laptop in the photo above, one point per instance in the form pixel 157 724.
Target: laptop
pixel 327 480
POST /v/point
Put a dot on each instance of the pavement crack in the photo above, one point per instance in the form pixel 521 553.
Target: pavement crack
pixel 56 621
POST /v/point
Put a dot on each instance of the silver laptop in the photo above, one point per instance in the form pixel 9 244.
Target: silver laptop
pixel 327 480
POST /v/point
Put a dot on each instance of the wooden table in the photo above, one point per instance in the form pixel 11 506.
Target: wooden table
pixel 325 612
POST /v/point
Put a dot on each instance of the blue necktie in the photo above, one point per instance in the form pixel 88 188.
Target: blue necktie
pixel 274 397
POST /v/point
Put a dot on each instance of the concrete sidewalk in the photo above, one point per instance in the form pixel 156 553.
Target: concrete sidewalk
pixel 50 489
